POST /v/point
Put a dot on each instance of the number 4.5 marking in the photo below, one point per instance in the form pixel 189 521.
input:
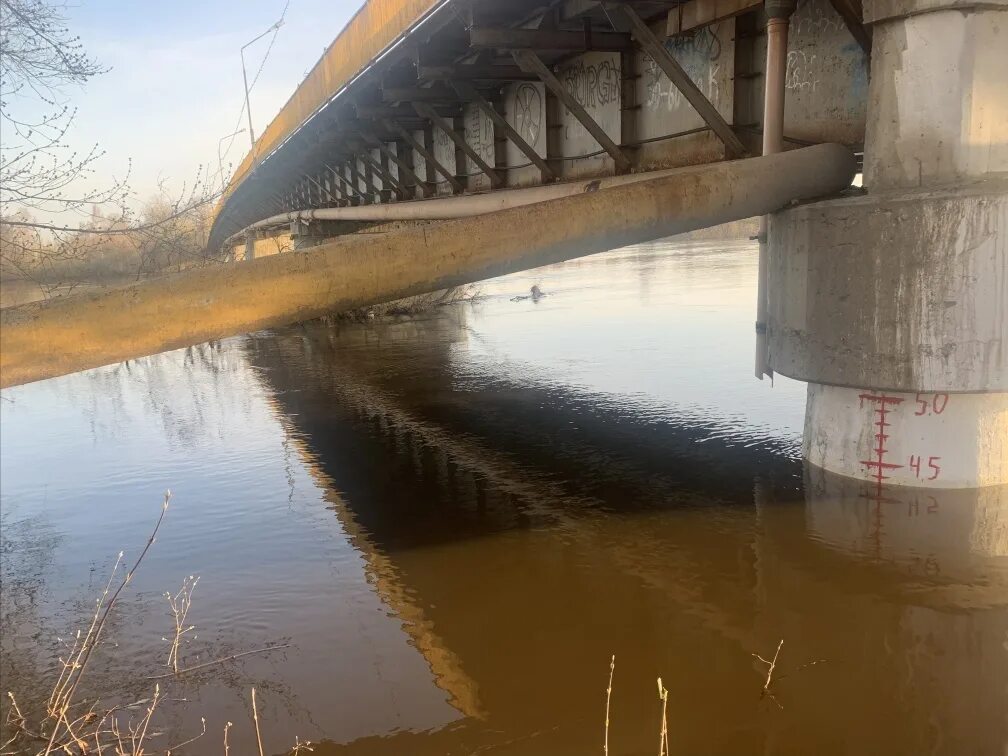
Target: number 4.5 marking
pixel 932 465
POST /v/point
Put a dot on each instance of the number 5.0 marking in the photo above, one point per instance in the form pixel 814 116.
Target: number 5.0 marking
pixel 936 406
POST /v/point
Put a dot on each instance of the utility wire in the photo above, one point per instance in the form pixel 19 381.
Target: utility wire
pixel 262 65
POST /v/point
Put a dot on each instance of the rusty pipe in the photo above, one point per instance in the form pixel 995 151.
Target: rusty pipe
pixel 778 12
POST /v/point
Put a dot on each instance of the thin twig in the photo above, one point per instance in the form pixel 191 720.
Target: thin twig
pixel 138 750
pixel 192 739
pixel 663 749
pixel 771 665
pixel 612 667
pixel 180 605
pixel 255 717
pixel 218 661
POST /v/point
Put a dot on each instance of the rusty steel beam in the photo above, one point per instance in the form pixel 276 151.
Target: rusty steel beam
pixel 436 93
pixel 496 180
pixel 404 166
pixel 536 39
pixel 473 72
pixel 466 89
pixel 529 61
pixel 625 17
pixel 343 180
pixel 853 16
pixel 386 176
pixel 427 155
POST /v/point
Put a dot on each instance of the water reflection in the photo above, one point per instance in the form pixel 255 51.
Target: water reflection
pixel 627 529
pixel 457 519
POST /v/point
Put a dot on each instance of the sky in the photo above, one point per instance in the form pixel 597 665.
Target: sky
pixel 174 87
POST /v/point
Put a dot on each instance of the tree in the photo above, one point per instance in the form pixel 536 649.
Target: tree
pixel 40 59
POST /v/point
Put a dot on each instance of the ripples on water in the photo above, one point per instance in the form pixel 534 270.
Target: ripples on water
pixel 456 519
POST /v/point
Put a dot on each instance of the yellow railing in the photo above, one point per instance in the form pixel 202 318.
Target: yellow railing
pixel 372 30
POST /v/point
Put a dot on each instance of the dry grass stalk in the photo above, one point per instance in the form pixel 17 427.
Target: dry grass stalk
pixel 612 668
pixel 255 718
pixel 180 604
pixel 771 666
pixel 93 731
pixel 230 657
pixel 73 661
pixel 75 665
pixel 663 744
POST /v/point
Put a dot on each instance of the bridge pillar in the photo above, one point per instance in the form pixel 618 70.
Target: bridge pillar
pixel 893 305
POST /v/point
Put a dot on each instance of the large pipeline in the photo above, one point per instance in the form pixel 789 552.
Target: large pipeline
pixel 60 336
pixel 450 208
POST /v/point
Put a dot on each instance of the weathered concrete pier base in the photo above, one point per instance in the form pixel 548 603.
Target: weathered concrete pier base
pixel 894 305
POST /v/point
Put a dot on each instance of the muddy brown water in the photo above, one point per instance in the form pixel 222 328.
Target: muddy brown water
pixel 455 520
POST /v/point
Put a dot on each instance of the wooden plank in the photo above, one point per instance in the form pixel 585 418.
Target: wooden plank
pixel 496 179
pixel 427 154
pixel 466 89
pixel 626 17
pixel 532 62
pixel 535 39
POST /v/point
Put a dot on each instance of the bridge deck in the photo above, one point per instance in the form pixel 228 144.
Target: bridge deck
pixel 423 98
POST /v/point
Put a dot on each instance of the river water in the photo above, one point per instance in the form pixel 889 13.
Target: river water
pixel 453 522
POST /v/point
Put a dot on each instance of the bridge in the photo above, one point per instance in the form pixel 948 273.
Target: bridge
pixel 439 142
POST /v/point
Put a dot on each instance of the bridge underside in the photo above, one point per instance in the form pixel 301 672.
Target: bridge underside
pixel 550 122
pixel 477 96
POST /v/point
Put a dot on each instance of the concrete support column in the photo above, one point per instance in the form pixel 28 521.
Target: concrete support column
pixel 300 236
pixel 894 305
pixel 250 246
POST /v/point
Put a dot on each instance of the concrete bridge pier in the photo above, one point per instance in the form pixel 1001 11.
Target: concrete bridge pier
pixel 893 305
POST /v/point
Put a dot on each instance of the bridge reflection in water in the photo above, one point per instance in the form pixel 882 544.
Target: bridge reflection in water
pixel 535 531
pixel 457 518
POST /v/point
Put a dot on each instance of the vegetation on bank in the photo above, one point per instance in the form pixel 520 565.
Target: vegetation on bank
pixel 72 723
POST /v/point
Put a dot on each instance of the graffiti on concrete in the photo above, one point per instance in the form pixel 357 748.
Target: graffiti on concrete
pixel 479 134
pixel 594 81
pixel 441 140
pixel 801 73
pixel 528 112
pixel 698 53
pixel 812 19
pixel 419 161
pixel 826 78
pixel 593 84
